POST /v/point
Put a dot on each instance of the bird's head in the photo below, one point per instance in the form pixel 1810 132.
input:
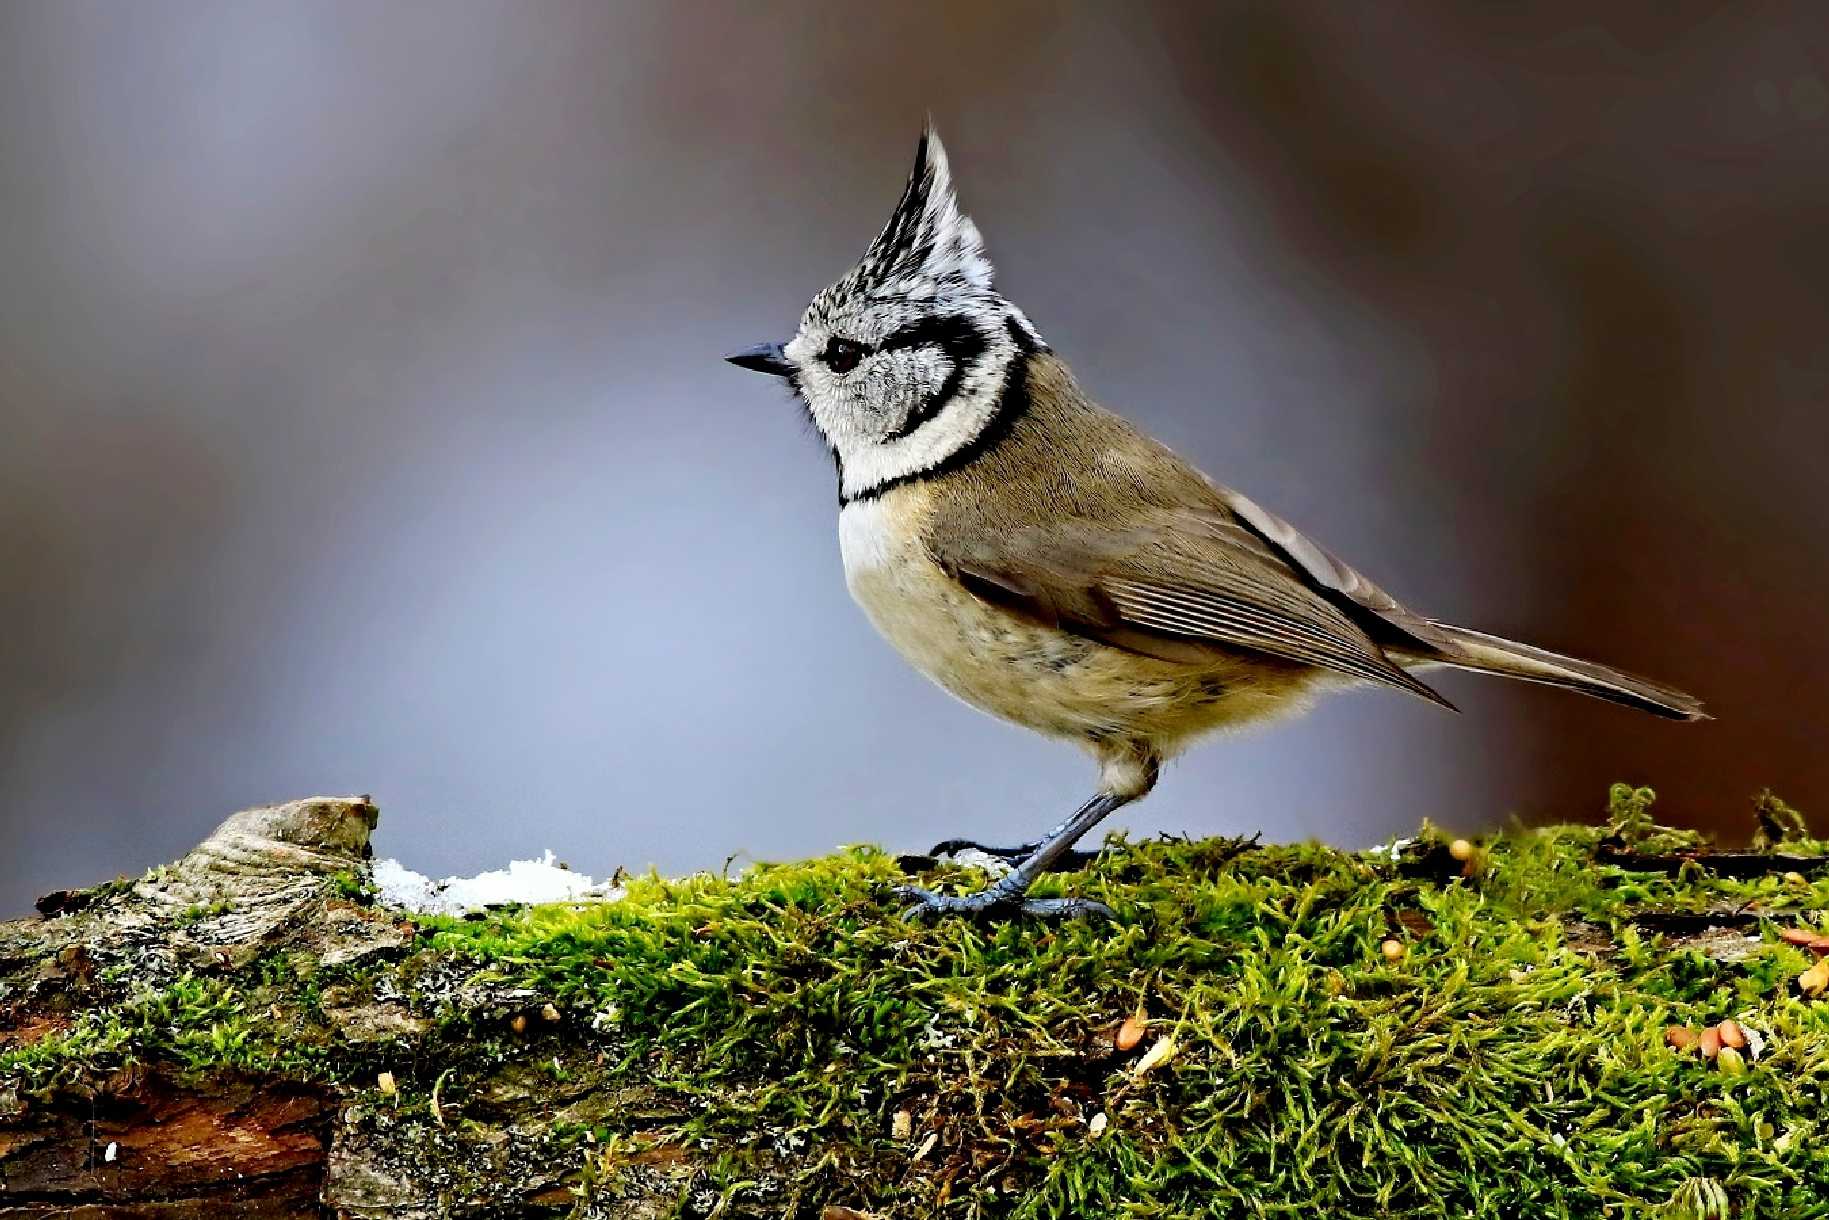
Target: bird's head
pixel 902 362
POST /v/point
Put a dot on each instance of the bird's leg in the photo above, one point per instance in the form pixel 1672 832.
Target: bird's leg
pixel 1008 895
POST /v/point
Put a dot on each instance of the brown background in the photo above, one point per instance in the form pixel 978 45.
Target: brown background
pixel 362 427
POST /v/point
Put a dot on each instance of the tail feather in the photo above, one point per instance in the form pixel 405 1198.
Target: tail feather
pixel 1464 648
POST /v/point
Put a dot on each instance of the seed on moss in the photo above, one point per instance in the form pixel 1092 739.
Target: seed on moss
pixel 1461 849
pixel 1795 878
pixel 1098 1124
pixel 1160 1053
pixel 385 1082
pixel 1731 1034
pixel 1710 1042
pixel 1130 1033
pixel 1392 949
pixel 1731 1061
pixel 901 1126
pixel 1680 1037
pixel 519 1024
pixel 549 1012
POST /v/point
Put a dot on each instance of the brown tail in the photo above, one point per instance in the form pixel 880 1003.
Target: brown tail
pixel 1491 654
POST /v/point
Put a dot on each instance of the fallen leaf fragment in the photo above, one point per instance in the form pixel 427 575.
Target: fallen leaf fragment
pixel 1815 980
pixel 901 1126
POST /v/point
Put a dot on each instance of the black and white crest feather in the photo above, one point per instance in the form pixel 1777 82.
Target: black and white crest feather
pixel 928 237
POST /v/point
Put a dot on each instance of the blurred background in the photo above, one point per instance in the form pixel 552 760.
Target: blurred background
pixel 363 427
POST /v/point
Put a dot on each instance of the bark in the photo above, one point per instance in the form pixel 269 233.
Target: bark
pixel 176 1144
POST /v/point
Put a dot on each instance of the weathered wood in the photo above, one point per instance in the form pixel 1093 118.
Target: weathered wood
pixel 270 884
pixel 150 1147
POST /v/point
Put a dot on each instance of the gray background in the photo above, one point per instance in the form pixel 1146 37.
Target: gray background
pixel 362 426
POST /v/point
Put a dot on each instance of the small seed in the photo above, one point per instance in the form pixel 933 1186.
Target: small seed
pixel 519 1024
pixel 1731 1034
pixel 549 1013
pixel 1710 1042
pixel 1680 1037
pixel 1098 1124
pixel 1796 879
pixel 1393 950
pixel 901 1126
pixel 1158 1054
pixel 1731 1061
pixel 1130 1033
pixel 1461 849
pixel 385 1082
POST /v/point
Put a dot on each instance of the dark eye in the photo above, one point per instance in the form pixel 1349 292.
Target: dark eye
pixel 842 355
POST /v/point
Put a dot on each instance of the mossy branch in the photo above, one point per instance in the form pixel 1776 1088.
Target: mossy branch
pixel 1573 1021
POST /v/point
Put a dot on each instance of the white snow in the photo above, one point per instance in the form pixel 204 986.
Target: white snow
pixel 523 881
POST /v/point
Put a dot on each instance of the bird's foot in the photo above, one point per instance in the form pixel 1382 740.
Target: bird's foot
pixel 1070 862
pixel 995 903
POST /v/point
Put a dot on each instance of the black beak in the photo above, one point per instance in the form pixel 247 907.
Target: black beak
pixel 763 358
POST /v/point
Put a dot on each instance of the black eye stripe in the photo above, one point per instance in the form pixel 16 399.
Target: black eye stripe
pixel 952 333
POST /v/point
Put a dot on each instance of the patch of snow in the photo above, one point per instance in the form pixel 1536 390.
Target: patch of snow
pixel 1391 850
pixel 996 866
pixel 523 881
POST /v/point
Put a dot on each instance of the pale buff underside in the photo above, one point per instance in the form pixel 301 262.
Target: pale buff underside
pixel 1122 706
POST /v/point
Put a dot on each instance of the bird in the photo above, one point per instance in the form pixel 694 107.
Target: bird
pixel 1045 561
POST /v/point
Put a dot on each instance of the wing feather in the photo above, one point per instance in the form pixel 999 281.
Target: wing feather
pixel 1169 579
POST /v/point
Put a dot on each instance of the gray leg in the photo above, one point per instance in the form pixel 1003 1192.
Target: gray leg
pixel 1007 895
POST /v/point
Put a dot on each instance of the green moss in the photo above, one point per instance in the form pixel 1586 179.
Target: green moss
pixel 1511 1062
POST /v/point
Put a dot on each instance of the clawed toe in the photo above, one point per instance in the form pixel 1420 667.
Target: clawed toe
pixel 1068 908
pixel 924 905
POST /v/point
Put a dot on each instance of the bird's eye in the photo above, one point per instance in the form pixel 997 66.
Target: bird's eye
pixel 842 355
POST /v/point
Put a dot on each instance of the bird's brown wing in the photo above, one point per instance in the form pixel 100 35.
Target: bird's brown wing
pixel 1333 578
pixel 1170 583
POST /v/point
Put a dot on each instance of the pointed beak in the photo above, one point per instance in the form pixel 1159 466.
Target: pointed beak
pixel 763 358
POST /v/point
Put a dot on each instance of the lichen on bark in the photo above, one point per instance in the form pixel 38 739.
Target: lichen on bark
pixel 1438 1029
